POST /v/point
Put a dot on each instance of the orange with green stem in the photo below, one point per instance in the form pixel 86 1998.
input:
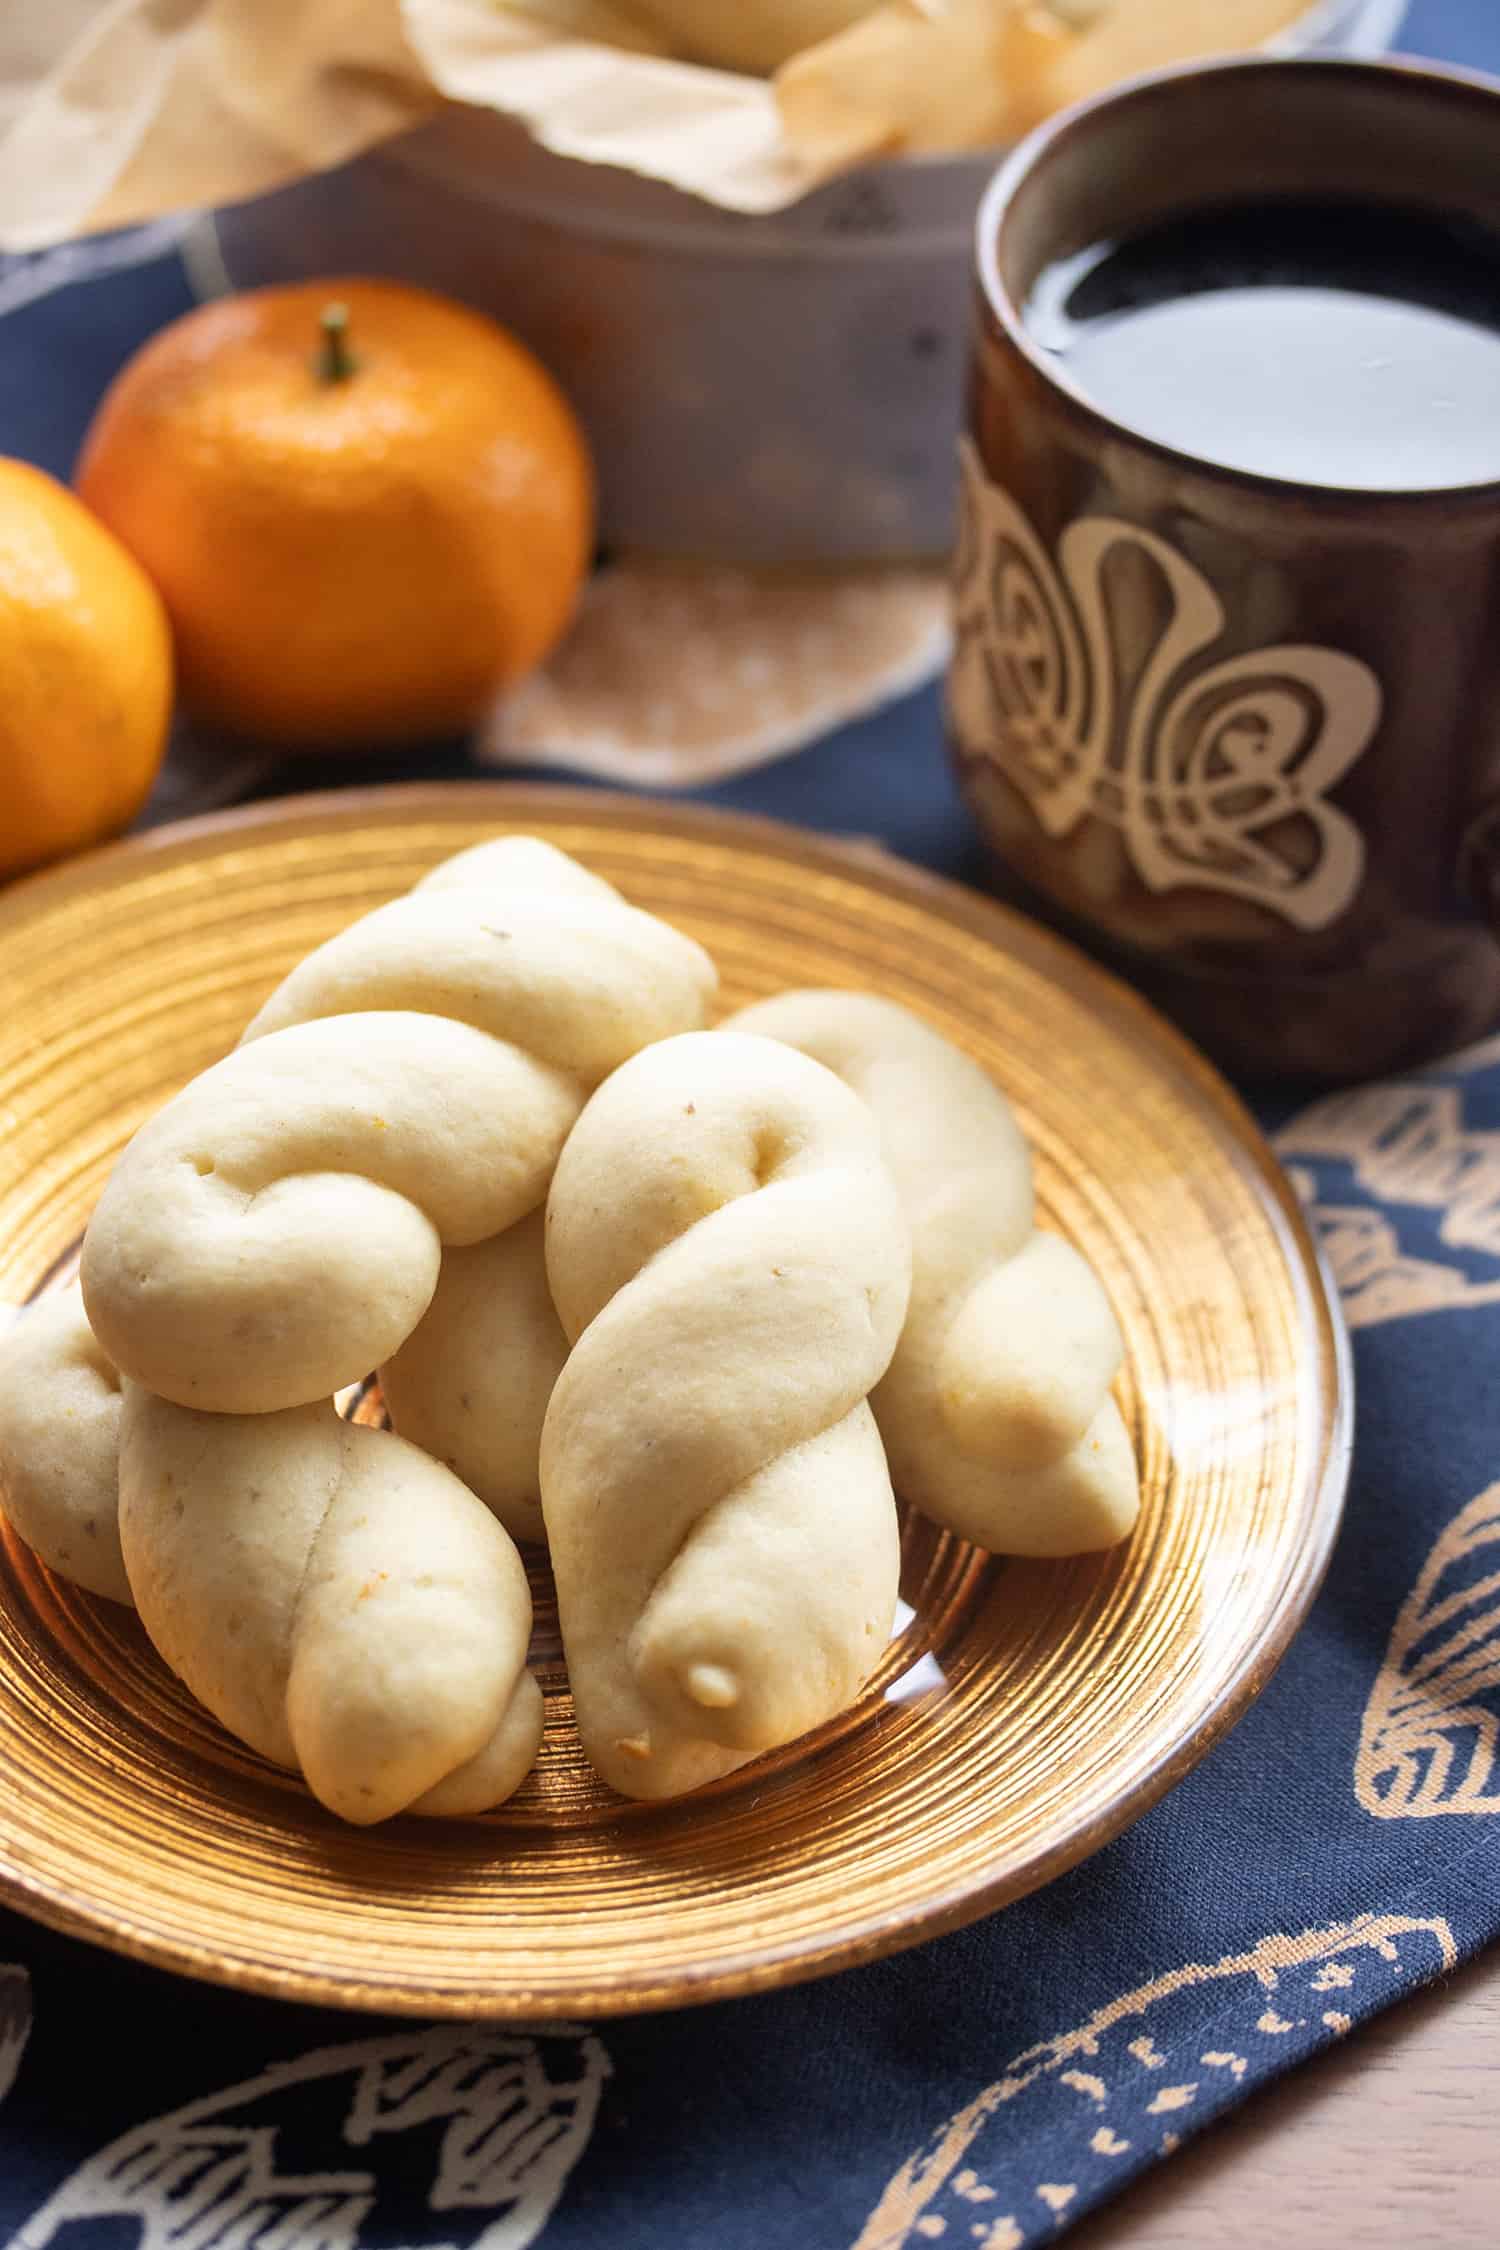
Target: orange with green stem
pixel 366 508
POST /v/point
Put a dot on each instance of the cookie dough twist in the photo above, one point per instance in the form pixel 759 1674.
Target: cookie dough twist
pixel 275 1232
pixel 730 1262
pixel 336 1599
pixel 996 1413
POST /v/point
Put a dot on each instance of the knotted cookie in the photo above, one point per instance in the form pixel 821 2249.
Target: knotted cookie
pixel 997 1413
pixel 731 1265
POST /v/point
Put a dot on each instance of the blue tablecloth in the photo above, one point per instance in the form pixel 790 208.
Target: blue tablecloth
pixel 982 2091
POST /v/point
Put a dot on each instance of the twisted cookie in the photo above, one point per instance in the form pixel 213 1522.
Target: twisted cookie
pixel 996 1413
pixel 336 1599
pixel 730 1261
pixel 275 1232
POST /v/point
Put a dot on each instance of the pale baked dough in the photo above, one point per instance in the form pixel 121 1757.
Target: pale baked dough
pixel 59 1443
pixel 728 1255
pixel 337 1600
pixel 276 1231
pixel 997 1412
pixel 471 1383
pixel 334 1598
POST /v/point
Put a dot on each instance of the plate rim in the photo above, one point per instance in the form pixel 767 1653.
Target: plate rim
pixel 874 1934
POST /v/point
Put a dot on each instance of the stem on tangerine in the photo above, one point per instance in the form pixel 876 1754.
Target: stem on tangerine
pixel 336 362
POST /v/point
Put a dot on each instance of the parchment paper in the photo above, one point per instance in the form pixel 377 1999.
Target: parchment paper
pixel 115 111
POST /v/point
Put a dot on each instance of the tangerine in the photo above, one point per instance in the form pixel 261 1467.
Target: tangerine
pixel 86 661
pixel 367 508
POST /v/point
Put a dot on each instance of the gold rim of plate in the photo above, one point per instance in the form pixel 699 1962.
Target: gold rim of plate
pixel 1025 1712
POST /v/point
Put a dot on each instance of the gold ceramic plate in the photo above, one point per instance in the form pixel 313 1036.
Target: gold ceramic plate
pixel 1025 1713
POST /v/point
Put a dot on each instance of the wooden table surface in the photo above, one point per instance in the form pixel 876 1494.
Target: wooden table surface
pixel 1389 2142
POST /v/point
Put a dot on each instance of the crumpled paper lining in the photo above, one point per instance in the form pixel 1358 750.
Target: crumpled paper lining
pixel 708 132
pixel 675 674
pixel 147 107
pixel 115 113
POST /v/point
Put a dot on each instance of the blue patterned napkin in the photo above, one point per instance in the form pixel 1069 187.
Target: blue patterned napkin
pixel 1338 1850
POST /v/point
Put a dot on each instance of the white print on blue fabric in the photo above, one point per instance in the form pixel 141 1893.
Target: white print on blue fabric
pixel 1429 1742
pixel 447 2120
pixel 1128 2082
pixel 1405 1145
pixel 15 2021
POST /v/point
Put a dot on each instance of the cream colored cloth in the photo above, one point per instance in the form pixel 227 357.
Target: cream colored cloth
pixel 997 1413
pixel 677 673
pixel 729 1258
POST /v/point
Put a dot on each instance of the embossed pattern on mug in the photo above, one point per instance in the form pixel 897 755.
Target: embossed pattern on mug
pixel 1207 769
pixel 1025 1711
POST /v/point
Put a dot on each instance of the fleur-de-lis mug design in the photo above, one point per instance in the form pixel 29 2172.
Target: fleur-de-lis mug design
pixel 1215 773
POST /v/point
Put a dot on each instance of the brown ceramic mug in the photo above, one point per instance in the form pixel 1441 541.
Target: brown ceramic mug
pixel 1243 729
